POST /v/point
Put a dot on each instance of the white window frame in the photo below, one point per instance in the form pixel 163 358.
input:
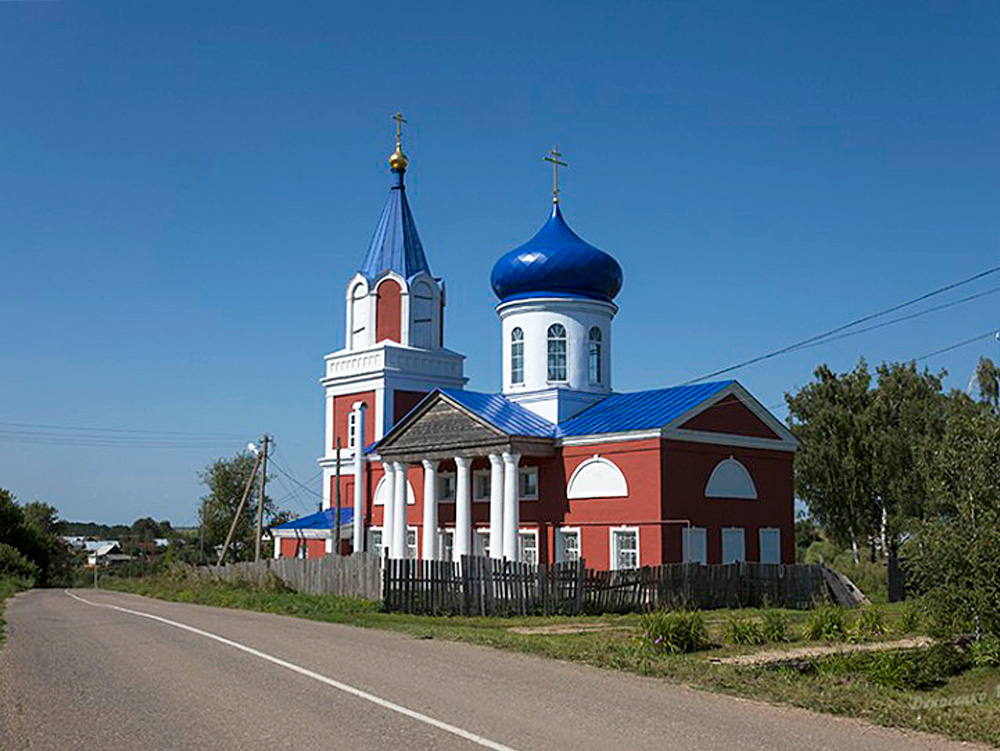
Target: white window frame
pixel 552 369
pixel 595 368
pixel 525 471
pixel 561 534
pixel 372 531
pixel 517 356
pixel 446 541
pixel 442 479
pixel 743 538
pixel 613 545
pixel 760 542
pixel 477 475
pixel 686 537
pixel 352 429
pixel 412 549
pixel 523 533
pixel 481 541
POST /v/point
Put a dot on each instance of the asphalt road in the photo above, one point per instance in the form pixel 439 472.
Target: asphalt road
pixel 75 675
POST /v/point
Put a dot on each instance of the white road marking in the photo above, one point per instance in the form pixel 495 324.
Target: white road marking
pixel 413 714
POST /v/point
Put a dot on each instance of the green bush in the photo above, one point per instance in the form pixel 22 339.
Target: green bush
pixel 985 651
pixel 673 632
pixel 14 565
pixel 828 623
pixel 775 626
pixel 739 629
pixel 870 622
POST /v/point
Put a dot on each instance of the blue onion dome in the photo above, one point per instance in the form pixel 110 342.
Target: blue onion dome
pixel 556 262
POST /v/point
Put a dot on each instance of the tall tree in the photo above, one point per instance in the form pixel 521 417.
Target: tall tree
pixel 988 378
pixel 833 472
pixel 226 479
pixel 954 554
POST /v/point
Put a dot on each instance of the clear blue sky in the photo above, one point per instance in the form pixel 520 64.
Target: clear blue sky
pixel 186 187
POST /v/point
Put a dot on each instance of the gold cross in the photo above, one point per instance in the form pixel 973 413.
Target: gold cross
pixel 398 117
pixel 556 164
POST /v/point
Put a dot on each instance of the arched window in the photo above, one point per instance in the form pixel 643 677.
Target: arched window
pixel 557 352
pixel 517 356
pixel 422 304
pixel 594 356
pixel 730 479
pixel 359 315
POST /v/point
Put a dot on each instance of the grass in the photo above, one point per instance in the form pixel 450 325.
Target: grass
pixel 8 588
pixel 965 706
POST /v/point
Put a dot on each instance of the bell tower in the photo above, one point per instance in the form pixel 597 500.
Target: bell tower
pixel 394 350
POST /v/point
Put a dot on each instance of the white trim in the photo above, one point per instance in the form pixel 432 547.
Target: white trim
pixel 441 477
pixel 525 531
pixel 618 478
pixel 630 435
pixel 522 471
pixel 785 436
pixel 476 474
pixel 410 498
pixel 560 549
pixel 613 548
pixel 729 439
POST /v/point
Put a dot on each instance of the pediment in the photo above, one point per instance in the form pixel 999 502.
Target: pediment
pixel 440 425
pixel 730 416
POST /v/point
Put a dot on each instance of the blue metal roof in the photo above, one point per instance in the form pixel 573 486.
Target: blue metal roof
pixel 395 246
pixel 326 519
pixel 500 411
pixel 556 262
pixel 640 410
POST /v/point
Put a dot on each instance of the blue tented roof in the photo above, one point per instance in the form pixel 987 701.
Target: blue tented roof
pixel 640 410
pixel 395 246
pixel 326 519
pixel 500 411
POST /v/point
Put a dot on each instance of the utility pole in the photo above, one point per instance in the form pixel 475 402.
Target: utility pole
pixel 201 535
pixel 336 536
pixel 260 500
pixel 239 509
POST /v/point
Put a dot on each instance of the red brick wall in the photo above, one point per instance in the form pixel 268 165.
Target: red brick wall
pixel 729 415
pixel 342 406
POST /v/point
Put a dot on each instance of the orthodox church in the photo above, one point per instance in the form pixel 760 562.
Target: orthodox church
pixel 557 466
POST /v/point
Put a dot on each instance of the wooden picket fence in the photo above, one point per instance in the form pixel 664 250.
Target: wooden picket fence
pixel 357 575
pixel 483 586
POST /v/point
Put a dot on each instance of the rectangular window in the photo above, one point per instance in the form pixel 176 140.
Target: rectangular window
pixel 695 544
pixel 352 429
pixel 624 548
pixel 734 547
pixel 770 545
pixel 446 544
pixel 446 486
pixel 529 484
pixel 517 361
pixel 557 359
pixel 375 541
pixel 481 485
pixel 594 363
pixel 527 546
pixel 481 542
pixel 568 545
pixel 411 543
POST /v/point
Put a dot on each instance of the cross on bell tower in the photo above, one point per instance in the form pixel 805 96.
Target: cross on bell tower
pixel 553 156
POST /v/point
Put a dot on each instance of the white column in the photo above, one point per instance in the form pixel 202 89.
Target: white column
pixel 430 510
pixel 398 549
pixel 277 545
pixel 463 507
pixel 387 515
pixel 496 506
pixel 359 478
pixel 511 509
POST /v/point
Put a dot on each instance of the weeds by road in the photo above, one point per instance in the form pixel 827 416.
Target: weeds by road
pixel 964 706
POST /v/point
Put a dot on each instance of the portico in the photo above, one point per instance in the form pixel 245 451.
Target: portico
pixel 441 430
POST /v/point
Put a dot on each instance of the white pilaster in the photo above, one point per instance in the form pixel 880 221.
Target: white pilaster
pixel 430 530
pixel 511 510
pixel 496 506
pixel 359 478
pixel 387 514
pixel 463 507
pixel 398 549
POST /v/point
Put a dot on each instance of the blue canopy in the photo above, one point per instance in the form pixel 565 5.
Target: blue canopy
pixel 321 520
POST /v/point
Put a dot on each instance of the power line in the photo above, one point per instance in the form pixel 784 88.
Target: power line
pixel 844 327
pixel 205 434
pixel 993 332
